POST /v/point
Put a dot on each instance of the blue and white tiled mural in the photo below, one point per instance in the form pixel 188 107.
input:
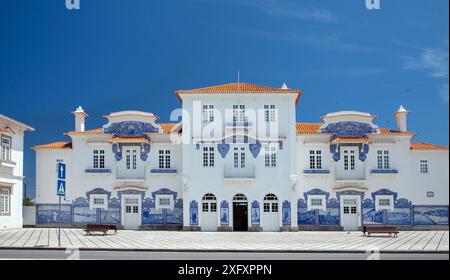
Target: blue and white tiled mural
pixel 79 212
pixel 403 213
pixel 430 215
pixel 256 219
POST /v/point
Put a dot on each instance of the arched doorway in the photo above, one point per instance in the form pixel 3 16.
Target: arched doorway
pixel 271 216
pixel 240 213
pixel 209 212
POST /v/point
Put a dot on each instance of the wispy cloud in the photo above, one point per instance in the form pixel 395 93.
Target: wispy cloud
pixel 284 8
pixel 434 60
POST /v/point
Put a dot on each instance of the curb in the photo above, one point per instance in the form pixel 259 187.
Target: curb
pixel 220 250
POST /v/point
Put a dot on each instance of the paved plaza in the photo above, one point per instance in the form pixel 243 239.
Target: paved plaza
pixel 407 241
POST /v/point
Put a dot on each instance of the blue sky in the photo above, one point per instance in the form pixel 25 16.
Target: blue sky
pixel 114 55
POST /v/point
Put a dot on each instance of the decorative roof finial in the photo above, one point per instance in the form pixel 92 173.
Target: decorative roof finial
pixel 284 86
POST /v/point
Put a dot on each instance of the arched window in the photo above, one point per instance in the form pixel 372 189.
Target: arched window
pixel 209 203
pixel 270 203
pixel 209 196
pixel 239 197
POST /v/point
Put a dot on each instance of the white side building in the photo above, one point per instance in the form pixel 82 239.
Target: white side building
pixel 239 161
pixel 11 171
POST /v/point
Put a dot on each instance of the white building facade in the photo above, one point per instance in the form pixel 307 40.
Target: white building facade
pixel 11 171
pixel 239 161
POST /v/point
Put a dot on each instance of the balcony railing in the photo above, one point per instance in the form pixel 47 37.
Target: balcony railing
pixel 350 175
pixel 384 171
pixel 163 171
pixel 98 170
pixel 316 171
pixel 247 172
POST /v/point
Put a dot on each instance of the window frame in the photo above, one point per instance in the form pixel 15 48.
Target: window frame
pixel 169 197
pixel 424 166
pixel 270 156
pixel 3 155
pixel 93 205
pixel 164 158
pixel 208 156
pixel 8 199
pixel 315 159
pixel 322 198
pixel 379 206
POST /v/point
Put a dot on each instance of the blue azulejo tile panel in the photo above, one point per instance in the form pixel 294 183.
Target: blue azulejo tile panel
pixel 84 215
pixel 329 216
pixel 152 216
pixel 110 216
pixel 430 215
pixel 49 214
pixel 174 216
pixel 399 216
pixel 372 217
pixel 306 217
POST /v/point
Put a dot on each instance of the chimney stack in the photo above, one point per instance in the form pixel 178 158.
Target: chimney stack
pixel 80 117
pixel 401 117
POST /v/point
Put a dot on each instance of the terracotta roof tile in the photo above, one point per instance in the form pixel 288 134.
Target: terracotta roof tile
pixel 129 140
pixel 313 128
pixel 239 88
pixel 167 127
pixel 55 145
pixel 351 140
pixel 389 131
pixel 86 132
pixel 427 146
pixel 308 128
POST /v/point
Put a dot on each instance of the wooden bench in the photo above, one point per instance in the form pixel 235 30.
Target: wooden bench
pixel 390 230
pixel 100 228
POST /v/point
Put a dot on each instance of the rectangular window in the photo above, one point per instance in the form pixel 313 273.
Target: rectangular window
pixel 316 202
pixel 99 159
pixel 315 159
pixel 128 160
pixel 164 159
pixel 424 166
pixel 270 113
pixel 239 157
pixel 384 202
pixel 352 160
pixel 266 207
pixel 205 207
pixel 99 201
pixel 270 156
pixel 211 156
pixel 430 194
pixel 208 113
pixel 274 207
pixel 164 201
pixel 5 199
pixel 6 148
pixel 128 209
pixel 239 113
pixel 134 161
pixel 383 159
pixel 213 207
pixel 135 209
pixel 345 161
